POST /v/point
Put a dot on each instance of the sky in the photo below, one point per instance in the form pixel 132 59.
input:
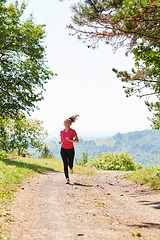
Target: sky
pixel 86 84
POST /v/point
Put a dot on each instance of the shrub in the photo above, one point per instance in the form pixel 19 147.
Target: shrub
pixel 3 154
pixel 113 161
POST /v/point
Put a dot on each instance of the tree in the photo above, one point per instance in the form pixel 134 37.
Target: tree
pixel 116 22
pixel 144 80
pixel 46 153
pixel 20 134
pixel 133 24
pixel 84 159
pixel 23 65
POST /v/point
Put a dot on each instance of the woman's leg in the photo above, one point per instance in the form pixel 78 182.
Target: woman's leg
pixel 64 156
pixel 71 153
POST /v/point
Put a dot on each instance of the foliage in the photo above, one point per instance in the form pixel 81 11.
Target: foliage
pixel 143 146
pixel 112 161
pixel 83 160
pixel 23 65
pixel 116 22
pixel 156 121
pixel 144 79
pixel 46 153
pixel 148 176
pixel 133 24
pixel 21 133
pixel 3 154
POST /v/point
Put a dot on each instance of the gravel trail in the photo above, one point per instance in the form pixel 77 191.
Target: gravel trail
pixel 105 207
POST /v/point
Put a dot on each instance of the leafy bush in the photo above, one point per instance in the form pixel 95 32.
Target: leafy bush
pixel 3 154
pixel 113 161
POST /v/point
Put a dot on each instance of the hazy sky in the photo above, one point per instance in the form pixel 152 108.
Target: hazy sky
pixel 85 83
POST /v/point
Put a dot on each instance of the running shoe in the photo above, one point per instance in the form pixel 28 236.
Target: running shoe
pixel 67 181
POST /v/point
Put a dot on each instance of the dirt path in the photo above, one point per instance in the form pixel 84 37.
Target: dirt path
pixel 105 207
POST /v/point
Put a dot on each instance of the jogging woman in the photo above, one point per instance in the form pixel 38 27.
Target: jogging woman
pixel 68 137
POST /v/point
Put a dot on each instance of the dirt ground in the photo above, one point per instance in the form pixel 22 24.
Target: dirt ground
pixel 105 207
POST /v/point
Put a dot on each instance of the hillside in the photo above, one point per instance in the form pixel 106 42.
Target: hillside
pixel 143 146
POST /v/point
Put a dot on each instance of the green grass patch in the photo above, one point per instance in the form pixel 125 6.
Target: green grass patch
pixel 148 176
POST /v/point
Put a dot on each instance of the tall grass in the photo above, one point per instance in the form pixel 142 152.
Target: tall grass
pixel 148 176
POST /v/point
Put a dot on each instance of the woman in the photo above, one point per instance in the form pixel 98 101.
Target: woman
pixel 68 138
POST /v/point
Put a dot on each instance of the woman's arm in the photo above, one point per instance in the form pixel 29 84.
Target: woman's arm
pixel 74 140
pixel 60 142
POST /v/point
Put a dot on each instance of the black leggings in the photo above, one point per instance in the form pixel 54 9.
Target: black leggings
pixel 67 157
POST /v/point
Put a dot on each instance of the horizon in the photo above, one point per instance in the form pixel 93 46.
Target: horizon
pixel 100 135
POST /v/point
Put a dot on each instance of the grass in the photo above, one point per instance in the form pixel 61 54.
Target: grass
pixel 148 176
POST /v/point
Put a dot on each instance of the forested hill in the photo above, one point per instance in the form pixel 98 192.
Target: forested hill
pixel 143 146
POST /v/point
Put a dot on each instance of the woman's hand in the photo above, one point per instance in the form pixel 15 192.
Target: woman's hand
pixel 74 140
pixel 68 139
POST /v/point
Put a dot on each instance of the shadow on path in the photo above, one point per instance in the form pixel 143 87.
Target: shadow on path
pixel 35 167
pixel 155 205
pixel 146 225
pixel 80 184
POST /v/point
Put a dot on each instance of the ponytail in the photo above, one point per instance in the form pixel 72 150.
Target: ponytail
pixel 73 118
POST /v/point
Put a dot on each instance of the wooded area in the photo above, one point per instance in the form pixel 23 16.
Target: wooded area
pixel 142 146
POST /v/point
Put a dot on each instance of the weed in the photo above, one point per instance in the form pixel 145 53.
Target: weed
pixel 9 220
pixel 101 204
pixel 135 234
pixel 107 214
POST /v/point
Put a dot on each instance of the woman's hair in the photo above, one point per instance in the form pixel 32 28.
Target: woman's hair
pixel 73 118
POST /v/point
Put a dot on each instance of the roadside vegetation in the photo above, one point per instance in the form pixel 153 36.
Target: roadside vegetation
pixel 110 161
pixel 148 176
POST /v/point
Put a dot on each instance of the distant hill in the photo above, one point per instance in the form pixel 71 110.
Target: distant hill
pixel 143 146
pixel 110 141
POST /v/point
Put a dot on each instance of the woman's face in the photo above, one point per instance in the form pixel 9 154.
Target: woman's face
pixel 67 123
